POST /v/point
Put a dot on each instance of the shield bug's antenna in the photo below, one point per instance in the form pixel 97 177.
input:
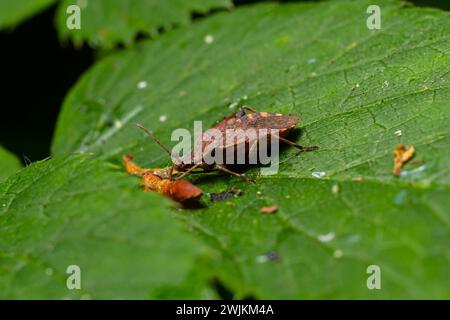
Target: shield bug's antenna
pixel 154 138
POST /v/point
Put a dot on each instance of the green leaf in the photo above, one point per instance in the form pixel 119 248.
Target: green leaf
pixel 354 89
pixel 79 211
pixel 14 12
pixel 9 164
pixel 105 23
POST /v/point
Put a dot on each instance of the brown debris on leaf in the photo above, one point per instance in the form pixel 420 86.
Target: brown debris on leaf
pixel 269 210
pixel 401 156
pixel 225 195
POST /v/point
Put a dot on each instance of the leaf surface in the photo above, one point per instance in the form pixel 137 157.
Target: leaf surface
pixel 14 12
pixel 359 93
pixel 105 23
pixel 9 164
pixel 80 211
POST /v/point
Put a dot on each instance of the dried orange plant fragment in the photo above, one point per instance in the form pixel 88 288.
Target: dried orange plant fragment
pixel 401 156
pixel 155 180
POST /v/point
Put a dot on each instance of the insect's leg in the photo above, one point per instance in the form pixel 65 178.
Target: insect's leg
pixel 289 142
pixel 247 108
pixel 171 171
pixel 188 171
pixel 225 169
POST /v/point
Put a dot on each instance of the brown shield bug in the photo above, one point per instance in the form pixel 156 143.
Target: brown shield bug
pixel 271 122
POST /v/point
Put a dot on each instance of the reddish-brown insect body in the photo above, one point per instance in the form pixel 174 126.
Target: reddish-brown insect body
pixel 278 126
pixel 284 124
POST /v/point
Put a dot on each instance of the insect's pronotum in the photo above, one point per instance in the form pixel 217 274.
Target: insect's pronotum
pixel 282 124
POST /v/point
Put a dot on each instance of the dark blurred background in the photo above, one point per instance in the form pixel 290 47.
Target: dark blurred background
pixel 37 71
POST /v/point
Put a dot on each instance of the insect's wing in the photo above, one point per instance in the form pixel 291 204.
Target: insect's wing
pixel 259 120
pixel 227 122
pixel 265 120
pixel 252 124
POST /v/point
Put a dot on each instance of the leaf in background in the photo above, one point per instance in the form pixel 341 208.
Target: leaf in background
pixel 9 164
pixel 14 12
pixel 354 89
pixel 105 23
pixel 79 211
